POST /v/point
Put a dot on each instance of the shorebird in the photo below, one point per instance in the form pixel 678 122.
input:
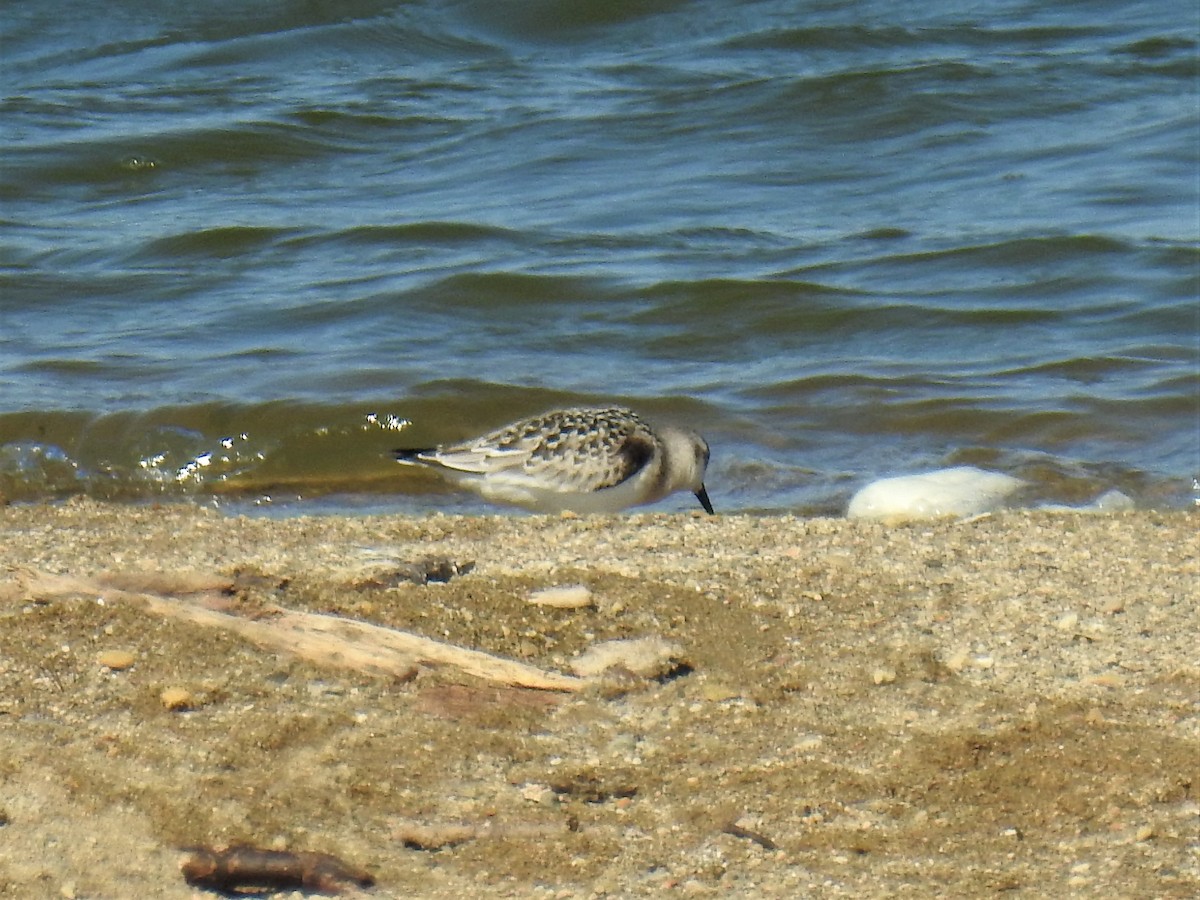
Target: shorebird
pixel 584 460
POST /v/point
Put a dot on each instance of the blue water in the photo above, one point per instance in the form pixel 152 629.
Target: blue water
pixel 843 240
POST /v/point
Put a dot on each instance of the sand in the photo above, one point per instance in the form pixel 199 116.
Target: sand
pixel 1004 705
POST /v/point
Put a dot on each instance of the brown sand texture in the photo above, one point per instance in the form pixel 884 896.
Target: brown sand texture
pixel 1005 706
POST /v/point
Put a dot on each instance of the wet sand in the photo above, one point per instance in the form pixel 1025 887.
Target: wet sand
pixel 1004 705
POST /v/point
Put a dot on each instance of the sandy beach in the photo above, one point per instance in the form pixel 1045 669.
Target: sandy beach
pixel 1008 705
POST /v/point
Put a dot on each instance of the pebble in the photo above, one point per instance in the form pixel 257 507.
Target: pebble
pixel 117 660
pixel 1069 622
pixel 808 742
pixel 541 794
pixel 649 657
pixel 957 661
pixel 884 675
pixel 567 596
pixel 176 698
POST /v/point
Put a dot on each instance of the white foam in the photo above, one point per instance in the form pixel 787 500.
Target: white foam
pixel 960 491
pixel 1109 501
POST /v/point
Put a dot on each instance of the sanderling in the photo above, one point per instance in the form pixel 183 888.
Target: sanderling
pixel 583 460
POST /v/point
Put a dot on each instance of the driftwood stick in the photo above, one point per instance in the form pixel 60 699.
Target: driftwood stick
pixel 348 643
pixel 426 651
pixel 320 638
pixel 279 633
pixel 239 868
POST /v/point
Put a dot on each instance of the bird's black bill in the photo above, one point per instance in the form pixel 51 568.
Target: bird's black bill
pixel 405 455
pixel 702 496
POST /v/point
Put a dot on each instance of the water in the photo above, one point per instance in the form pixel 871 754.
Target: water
pixel 245 249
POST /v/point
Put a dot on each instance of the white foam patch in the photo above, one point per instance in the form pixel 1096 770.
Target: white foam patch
pixel 960 491
pixel 1109 501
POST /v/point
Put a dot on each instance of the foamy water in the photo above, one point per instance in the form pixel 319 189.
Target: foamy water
pixel 240 246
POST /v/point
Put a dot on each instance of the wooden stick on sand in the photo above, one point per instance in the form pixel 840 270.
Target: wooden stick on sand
pixel 323 639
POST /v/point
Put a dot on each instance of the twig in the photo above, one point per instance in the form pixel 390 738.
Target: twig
pixel 733 828
pixel 323 639
pixel 240 867
pixel 440 835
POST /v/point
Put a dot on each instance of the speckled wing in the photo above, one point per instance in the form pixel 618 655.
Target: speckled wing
pixel 570 450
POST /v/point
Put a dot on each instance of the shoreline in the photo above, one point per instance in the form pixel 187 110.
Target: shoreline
pixel 1006 703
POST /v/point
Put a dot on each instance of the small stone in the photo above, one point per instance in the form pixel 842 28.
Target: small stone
pixel 116 660
pixel 540 794
pixel 650 657
pixel 806 743
pixel 568 596
pixel 957 661
pixel 176 699
pixel 884 675
pixel 1144 833
pixel 1069 622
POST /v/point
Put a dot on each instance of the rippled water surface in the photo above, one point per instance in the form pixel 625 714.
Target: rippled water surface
pixel 242 245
